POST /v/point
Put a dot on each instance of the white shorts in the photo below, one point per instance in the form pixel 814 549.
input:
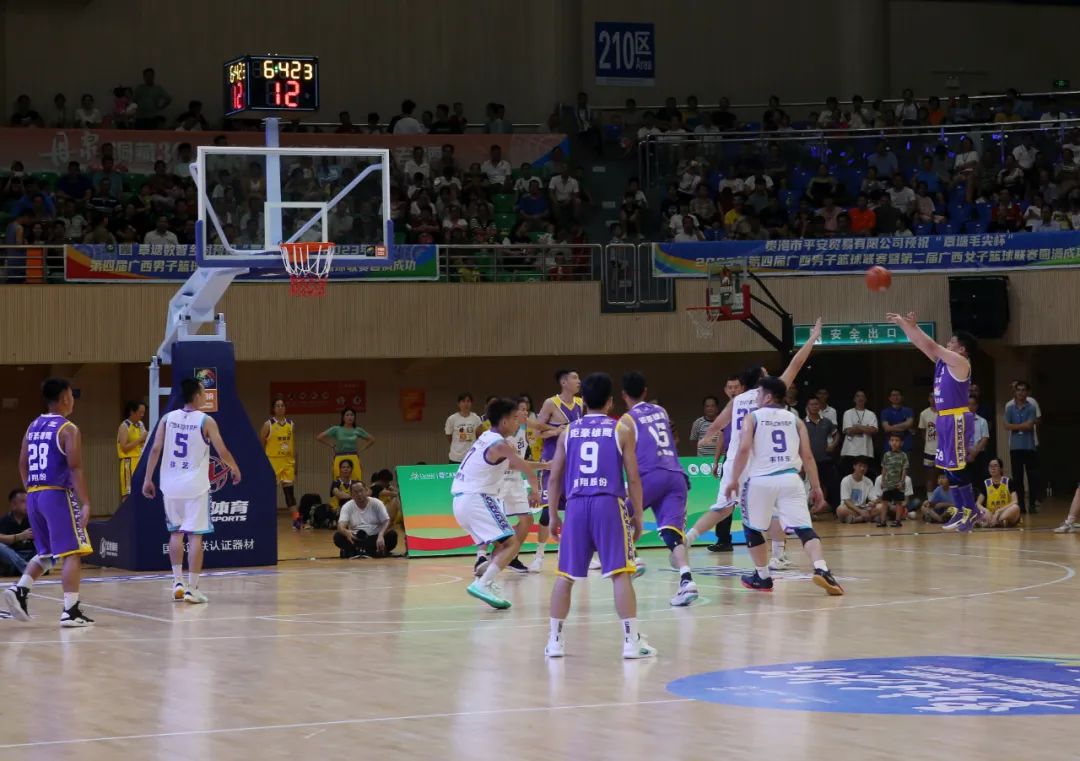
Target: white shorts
pixel 722 500
pixel 516 502
pixel 482 516
pixel 191 515
pixel 781 496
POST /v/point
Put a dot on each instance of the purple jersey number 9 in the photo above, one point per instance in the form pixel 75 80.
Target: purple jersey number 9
pixel 779 441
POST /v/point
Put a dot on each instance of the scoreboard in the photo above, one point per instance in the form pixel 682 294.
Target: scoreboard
pixel 271 83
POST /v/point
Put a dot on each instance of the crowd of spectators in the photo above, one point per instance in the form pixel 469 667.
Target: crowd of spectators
pixel 912 181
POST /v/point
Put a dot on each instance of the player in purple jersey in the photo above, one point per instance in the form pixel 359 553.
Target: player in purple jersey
pixel 664 485
pixel 588 468
pixel 952 381
pixel 561 409
pixel 58 505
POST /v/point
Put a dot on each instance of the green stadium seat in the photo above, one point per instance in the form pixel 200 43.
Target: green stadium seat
pixel 133 181
pixel 504 203
pixel 505 222
pixel 46 179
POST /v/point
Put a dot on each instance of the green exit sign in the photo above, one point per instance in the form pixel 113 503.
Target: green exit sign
pixel 1061 84
pixel 859 334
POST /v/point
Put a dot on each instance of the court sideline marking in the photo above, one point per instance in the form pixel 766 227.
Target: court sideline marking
pixel 341 722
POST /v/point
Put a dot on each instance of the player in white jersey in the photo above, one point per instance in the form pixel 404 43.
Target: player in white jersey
pixel 734 416
pixel 477 489
pixel 185 435
pixel 518 501
pixel 773 448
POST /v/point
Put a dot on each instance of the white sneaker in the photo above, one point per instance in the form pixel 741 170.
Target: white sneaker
pixel 594 564
pixel 688 592
pixel 555 648
pixel 537 565
pixel 640 649
pixel 782 563
pixel 195 597
pixel 178 591
pixel 1067 528
pixel 639 566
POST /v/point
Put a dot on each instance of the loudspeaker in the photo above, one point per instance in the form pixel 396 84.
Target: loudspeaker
pixel 979 305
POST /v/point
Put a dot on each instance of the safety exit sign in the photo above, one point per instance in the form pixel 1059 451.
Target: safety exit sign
pixel 860 334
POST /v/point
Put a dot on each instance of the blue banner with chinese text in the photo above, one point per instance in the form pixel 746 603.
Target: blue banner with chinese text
pixel 144 263
pixel 837 256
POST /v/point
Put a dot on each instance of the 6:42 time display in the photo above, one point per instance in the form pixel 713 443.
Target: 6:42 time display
pixel 271 83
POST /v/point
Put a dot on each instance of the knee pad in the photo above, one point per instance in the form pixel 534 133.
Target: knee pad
pixel 545 517
pixel 671 538
pixel 805 534
pixel 754 537
pixel 45 561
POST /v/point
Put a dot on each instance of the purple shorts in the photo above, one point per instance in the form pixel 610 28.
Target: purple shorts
pixel 952 440
pixel 54 517
pixel 665 493
pixel 598 524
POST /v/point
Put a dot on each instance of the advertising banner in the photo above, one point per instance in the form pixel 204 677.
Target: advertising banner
pixel 319 397
pixel 429 514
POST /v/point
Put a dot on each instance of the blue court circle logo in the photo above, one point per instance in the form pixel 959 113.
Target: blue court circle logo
pixel 921 685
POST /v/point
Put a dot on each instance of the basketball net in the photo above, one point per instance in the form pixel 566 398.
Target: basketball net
pixel 308 265
pixel 704 319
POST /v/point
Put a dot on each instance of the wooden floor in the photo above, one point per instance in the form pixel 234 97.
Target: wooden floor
pixel 376 659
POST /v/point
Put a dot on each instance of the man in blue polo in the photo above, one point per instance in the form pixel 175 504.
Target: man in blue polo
pixel 896 418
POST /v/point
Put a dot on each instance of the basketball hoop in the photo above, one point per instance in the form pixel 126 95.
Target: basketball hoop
pixel 704 319
pixel 308 265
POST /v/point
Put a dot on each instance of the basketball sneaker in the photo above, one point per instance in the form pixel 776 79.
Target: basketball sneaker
pixel 195 597
pixel 296 524
pixel 825 580
pixel 537 565
pixel 16 599
pixel 480 566
pixel 486 593
pixel 178 591
pixel 755 582
pixel 1068 527
pixel 721 547
pixel 554 648
pixel 639 568
pixel 517 566
pixel 639 649
pixel 688 592
pixel 74 618
pixel 960 520
pixel 781 563
pixel 594 564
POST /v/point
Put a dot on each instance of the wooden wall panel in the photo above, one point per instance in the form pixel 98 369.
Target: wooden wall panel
pixel 79 323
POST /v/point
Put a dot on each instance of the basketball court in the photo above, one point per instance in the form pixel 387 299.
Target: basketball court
pixel 320 656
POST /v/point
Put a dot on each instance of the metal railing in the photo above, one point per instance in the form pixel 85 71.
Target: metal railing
pixel 1034 97
pixel 31 264
pixel 659 155
pixel 520 263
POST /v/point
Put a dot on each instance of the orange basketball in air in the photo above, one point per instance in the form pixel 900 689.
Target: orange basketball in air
pixel 878 278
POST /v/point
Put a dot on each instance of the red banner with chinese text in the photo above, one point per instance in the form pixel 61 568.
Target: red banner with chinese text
pixel 315 397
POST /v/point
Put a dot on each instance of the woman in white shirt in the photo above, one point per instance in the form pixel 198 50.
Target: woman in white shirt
pixel 87 115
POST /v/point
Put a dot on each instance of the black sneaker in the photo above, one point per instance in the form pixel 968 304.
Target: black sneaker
pixel 480 566
pixel 15 598
pixel 753 581
pixel 720 547
pixel 74 618
pixel 517 565
pixel 825 580
pixel 895 524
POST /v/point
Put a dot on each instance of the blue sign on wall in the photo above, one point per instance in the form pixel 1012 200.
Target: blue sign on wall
pixel 625 53
pixel 922 685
